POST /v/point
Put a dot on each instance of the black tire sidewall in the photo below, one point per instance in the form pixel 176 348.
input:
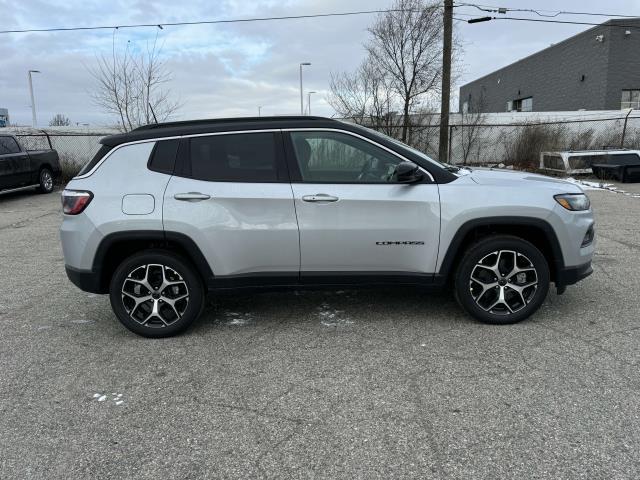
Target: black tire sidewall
pixel 184 269
pixel 42 187
pixel 485 247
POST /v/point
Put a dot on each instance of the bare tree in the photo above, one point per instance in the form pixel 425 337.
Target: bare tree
pixel 406 46
pixel 471 123
pixel 59 120
pixel 401 74
pixel 132 87
pixel 364 97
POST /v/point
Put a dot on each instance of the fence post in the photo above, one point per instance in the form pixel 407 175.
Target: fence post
pixel 624 129
pixel 48 139
pixel 449 148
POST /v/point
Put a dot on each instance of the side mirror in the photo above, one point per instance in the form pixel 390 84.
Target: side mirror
pixel 407 172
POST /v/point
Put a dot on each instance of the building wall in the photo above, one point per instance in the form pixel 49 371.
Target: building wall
pixel 554 76
pixel 624 62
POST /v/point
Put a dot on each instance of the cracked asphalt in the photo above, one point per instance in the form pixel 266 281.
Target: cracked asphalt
pixel 392 383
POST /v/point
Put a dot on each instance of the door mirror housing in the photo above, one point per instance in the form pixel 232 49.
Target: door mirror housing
pixel 407 172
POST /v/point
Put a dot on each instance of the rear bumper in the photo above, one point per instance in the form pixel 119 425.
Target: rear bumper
pixel 86 280
pixel 571 275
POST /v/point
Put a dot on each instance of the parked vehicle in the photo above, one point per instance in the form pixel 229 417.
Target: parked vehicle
pixel 623 166
pixel 20 168
pixel 620 164
pixel 168 212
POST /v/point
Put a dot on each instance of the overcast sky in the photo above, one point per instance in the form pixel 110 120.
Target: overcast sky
pixel 229 70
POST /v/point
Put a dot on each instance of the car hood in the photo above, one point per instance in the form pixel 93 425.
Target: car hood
pixel 510 178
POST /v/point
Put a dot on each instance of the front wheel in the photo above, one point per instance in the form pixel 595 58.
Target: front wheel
pixel 502 279
pixel 45 181
pixel 156 294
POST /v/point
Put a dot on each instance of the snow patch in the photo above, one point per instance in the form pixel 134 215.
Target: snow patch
pixel 330 317
pixel 236 319
pixel 591 185
pixel 116 398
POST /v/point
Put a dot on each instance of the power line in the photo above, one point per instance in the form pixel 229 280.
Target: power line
pixel 566 22
pixel 200 22
pixel 540 20
pixel 551 13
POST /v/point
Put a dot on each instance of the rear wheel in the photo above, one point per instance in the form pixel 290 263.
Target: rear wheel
pixel 156 294
pixel 502 279
pixel 45 181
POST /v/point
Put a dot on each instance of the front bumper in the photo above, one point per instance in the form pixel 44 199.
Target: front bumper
pixel 571 275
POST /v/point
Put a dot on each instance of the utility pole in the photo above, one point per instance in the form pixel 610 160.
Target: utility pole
pixel 446 80
pixel 259 110
pixel 34 120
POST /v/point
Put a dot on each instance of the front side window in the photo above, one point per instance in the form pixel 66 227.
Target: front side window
pixel 334 157
pixel 8 145
pixel 630 99
pixel 238 157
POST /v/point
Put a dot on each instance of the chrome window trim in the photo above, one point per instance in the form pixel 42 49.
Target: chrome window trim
pixel 158 139
pixel 353 134
pixel 268 130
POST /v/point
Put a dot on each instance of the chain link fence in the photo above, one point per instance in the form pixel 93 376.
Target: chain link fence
pixel 75 148
pixel 476 141
pixel 473 139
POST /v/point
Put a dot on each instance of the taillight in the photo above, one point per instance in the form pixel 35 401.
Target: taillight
pixel 75 201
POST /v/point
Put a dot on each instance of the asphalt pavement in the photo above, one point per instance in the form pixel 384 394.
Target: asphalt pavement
pixel 387 383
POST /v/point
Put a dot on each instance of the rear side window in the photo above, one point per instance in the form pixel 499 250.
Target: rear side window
pixel 553 161
pixel 624 159
pixel 163 157
pixel 104 149
pixel 8 145
pixel 582 161
pixel 238 157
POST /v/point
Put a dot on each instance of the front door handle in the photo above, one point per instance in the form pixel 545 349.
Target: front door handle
pixel 319 197
pixel 192 196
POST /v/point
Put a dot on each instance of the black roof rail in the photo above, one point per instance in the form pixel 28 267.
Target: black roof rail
pixel 214 121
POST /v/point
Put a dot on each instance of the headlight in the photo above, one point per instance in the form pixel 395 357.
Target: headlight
pixel 573 201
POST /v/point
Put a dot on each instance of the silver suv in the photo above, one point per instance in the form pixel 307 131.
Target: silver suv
pixel 166 213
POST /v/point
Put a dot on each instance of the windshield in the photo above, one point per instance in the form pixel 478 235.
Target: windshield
pixel 446 166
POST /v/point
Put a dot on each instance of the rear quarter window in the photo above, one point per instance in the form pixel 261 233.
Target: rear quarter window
pixel 104 149
pixel 163 157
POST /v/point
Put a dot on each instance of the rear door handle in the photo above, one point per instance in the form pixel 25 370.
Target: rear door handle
pixel 319 197
pixel 192 196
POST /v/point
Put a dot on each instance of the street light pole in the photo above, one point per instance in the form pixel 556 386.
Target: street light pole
pixel 259 110
pixel 34 120
pixel 309 102
pixel 301 94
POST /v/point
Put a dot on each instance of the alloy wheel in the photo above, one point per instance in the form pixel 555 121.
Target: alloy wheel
pixel 155 295
pixel 503 282
pixel 46 180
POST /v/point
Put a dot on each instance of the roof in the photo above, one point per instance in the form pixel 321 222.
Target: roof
pixel 191 127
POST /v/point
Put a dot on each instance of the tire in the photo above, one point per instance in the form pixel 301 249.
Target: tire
pixel 45 181
pixel 512 296
pixel 165 311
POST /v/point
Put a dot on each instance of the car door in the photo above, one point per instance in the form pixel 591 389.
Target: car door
pixel 355 221
pixel 14 164
pixel 231 194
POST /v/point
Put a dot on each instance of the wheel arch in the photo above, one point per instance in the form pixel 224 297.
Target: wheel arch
pixel 534 230
pixel 115 247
